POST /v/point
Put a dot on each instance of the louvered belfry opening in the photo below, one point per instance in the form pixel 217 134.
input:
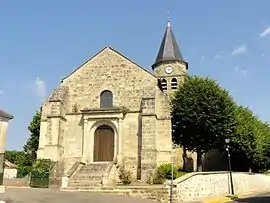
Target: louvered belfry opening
pixel 174 84
pixel 164 85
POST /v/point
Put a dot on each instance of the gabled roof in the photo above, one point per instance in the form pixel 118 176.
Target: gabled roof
pixel 169 49
pixel 3 114
pixel 108 47
pixel 8 164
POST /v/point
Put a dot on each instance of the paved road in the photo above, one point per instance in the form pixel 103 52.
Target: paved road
pixel 32 195
pixel 262 198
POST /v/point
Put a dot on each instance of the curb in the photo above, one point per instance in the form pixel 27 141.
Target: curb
pixel 16 187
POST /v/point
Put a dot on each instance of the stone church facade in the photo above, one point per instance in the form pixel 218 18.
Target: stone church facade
pixel 111 112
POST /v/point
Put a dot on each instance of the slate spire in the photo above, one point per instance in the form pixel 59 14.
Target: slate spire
pixel 169 50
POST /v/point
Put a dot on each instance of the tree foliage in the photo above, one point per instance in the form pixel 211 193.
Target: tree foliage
pixel 25 159
pixel 31 145
pixel 22 160
pixel 203 114
pixel 252 138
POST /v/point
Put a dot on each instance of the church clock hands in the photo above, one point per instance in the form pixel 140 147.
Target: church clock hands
pixel 168 69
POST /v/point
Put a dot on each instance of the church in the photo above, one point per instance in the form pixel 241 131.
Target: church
pixel 111 112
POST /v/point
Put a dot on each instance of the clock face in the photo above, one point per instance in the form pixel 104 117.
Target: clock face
pixel 168 69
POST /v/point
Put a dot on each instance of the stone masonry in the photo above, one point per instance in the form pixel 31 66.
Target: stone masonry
pixel 139 116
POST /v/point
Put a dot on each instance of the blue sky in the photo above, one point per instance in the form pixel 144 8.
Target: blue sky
pixel 43 41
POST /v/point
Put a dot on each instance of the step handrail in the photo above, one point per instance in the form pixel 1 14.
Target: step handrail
pixel 74 168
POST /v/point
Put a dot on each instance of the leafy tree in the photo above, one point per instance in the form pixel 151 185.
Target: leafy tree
pixel 203 116
pixel 252 138
pixel 22 160
pixel 11 155
pixel 31 145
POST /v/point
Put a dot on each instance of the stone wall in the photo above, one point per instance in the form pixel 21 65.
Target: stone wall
pixel 134 88
pixel 10 173
pixel 130 132
pixel 195 186
pixel 191 187
pixel 73 139
pixel 160 193
pixel 108 70
pixel 179 73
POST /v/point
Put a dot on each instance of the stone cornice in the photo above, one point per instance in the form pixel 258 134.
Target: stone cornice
pixel 101 110
pixel 61 117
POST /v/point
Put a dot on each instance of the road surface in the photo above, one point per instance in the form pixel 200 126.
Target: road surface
pixel 261 198
pixel 34 195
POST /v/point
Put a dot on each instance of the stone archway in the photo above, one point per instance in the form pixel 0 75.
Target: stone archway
pixel 104 144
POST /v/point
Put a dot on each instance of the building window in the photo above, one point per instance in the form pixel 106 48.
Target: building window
pixel 164 85
pixel 106 99
pixel 174 84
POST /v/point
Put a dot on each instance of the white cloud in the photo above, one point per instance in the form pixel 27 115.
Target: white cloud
pixel 40 87
pixel 217 56
pixel 239 50
pixel 1 92
pixel 203 58
pixel 242 72
pixel 265 32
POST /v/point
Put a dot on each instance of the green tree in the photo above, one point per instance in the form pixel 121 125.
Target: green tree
pixel 252 138
pixel 31 145
pixel 22 160
pixel 203 116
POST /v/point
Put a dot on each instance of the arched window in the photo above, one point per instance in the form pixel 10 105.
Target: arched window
pixel 174 84
pixel 164 85
pixel 106 99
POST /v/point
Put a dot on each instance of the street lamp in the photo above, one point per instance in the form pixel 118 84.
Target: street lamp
pixel 4 119
pixel 172 167
pixel 227 141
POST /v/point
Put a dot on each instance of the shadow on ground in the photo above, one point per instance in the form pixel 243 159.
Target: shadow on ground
pixel 264 198
pixel 50 195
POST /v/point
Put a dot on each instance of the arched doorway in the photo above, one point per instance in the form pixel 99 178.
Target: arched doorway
pixel 104 144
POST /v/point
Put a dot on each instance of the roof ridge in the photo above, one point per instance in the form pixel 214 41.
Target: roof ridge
pixel 111 48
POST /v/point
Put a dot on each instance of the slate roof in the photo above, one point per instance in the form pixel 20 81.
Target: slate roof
pixel 5 115
pixel 169 49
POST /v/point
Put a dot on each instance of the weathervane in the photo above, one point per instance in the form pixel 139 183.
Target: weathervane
pixel 168 14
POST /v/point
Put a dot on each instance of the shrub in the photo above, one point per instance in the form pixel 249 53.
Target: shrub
pixel 159 176
pixel 23 171
pixel 167 168
pixel 42 167
pixel 164 172
pixel 125 176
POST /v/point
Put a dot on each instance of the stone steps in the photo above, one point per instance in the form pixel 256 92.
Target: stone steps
pixel 84 180
pixel 88 176
pixel 85 185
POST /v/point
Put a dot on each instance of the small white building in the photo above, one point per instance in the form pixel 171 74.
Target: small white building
pixel 10 170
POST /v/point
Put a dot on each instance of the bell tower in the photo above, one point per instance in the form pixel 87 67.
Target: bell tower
pixel 169 67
